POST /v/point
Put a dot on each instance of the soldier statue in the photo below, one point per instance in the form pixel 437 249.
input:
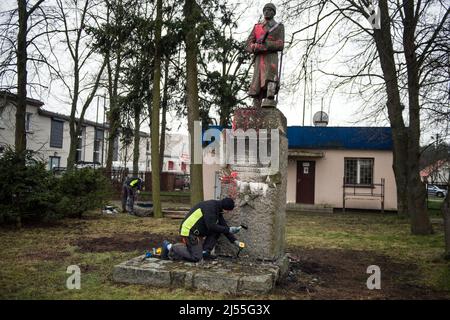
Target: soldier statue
pixel 266 39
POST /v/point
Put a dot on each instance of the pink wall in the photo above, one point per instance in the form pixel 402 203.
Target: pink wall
pixel 330 172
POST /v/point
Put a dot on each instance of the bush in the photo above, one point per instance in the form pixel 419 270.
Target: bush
pixel 82 190
pixel 27 189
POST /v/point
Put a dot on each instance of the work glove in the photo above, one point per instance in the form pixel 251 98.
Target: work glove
pixel 235 229
pixel 239 244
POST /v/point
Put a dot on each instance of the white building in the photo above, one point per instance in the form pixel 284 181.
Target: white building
pixel 48 135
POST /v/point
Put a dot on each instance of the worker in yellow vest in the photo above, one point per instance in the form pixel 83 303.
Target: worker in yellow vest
pixel 130 188
pixel 200 231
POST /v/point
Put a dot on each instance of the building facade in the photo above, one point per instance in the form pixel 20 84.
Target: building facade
pixel 49 137
pixel 333 166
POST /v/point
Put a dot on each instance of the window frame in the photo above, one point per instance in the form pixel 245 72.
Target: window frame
pixel 358 172
pixel 28 126
pixel 52 145
pixel 81 146
pixel 98 140
pixel 50 161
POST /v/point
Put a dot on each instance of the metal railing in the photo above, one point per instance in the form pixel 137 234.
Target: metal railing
pixel 359 192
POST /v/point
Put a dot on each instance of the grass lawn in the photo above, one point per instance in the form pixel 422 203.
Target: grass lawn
pixel 330 254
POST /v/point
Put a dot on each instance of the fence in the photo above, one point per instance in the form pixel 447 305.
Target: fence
pixel 169 181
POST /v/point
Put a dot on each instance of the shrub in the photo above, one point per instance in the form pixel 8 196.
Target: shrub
pixel 82 190
pixel 27 189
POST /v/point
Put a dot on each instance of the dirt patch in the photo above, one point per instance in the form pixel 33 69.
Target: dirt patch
pixel 123 242
pixel 341 274
pixel 45 255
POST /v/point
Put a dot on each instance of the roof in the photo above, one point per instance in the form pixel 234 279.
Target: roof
pixel 13 97
pixel 425 172
pixel 353 138
pixel 349 138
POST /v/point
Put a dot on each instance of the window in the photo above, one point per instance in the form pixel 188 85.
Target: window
pixel 80 146
pixel 170 165
pixel 56 133
pixel 358 171
pixel 98 146
pixel 148 145
pixel 54 162
pixel 28 116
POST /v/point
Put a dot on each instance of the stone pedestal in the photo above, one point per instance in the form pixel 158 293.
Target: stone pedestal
pixel 259 190
pixel 232 276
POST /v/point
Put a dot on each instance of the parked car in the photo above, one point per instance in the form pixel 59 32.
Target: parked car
pixel 436 191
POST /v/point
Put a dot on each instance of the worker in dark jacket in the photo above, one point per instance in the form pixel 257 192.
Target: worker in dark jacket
pixel 200 231
pixel 130 188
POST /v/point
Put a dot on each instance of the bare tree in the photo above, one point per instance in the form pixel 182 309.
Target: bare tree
pixel 394 49
pixel 21 28
pixel 82 59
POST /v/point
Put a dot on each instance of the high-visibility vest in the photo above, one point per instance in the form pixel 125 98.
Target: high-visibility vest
pixel 190 222
pixel 133 182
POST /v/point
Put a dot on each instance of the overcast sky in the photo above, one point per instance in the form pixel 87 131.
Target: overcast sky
pixel 342 110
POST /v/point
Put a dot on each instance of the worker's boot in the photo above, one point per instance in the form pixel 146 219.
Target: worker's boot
pixel 165 250
pixel 207 255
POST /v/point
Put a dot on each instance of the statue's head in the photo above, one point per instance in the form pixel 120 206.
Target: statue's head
pixel 269 11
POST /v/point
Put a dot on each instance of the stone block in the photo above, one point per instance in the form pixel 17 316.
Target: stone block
pixel 260 195
pixel 218 281
pixel 256 284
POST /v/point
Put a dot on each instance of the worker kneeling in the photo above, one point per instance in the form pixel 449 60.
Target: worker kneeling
pixel 200 230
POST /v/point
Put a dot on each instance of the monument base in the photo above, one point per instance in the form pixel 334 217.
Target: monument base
pixel 223 275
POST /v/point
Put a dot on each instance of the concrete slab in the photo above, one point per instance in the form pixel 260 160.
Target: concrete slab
pixel 232 276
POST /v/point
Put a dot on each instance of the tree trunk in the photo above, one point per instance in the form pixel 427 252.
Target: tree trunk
pixel 191 15
pixel 114 112
pixel 137 139
pixel 156 187
pixel 385 50
pixel 20 134
pixel 162 143
pixel 420 221
pixel 446 213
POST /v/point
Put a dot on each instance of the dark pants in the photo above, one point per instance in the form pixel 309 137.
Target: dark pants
pixel 128 197
pixel 192 247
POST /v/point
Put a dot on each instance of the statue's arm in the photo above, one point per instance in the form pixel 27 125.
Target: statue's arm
pixel 277 42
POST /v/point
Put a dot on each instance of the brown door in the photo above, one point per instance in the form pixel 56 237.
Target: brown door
pixel 305 181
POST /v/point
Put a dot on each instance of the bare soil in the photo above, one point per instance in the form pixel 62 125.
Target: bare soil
pixel 313 273
pixel 124 242
pixel 341 274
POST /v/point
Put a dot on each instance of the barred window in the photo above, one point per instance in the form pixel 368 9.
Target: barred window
pixel 358 171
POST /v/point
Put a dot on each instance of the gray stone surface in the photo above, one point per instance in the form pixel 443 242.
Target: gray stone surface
pixel 142 209
pixel 260 194
pixel 232 276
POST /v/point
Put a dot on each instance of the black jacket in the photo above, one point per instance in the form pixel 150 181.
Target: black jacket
pixel 212 220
